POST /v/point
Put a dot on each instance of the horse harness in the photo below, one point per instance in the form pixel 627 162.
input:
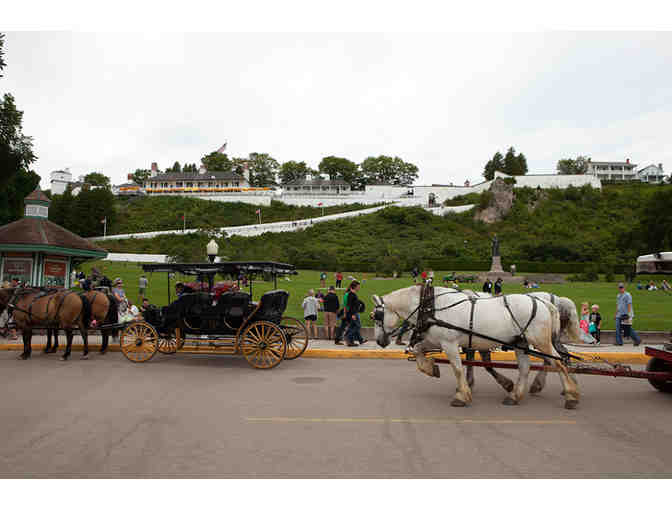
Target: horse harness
pixel 426 319
pixel 42 292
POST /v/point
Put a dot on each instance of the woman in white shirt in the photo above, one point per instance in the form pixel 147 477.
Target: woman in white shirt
pixel 310 310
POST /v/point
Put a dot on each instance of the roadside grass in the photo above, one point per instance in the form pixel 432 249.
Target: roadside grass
pixel 653 309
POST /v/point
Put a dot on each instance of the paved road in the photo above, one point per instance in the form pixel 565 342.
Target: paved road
pixel 196 415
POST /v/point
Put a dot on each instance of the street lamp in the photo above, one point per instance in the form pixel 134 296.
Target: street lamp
pixel 212 248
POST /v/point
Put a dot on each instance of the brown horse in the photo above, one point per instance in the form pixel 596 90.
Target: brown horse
pixel 32 308
pixel 103 309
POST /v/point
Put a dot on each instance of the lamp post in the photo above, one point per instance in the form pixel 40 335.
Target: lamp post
pixel 211 249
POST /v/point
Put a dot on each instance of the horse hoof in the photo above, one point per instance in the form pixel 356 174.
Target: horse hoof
pixel 102 352
pixel 458 403
pixel 571 404
pixel 508 401
pixel 535 388
pixel 435 371
pixel 508 386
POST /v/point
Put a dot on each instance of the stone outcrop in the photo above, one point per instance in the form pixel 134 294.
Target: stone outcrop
pixel 501 201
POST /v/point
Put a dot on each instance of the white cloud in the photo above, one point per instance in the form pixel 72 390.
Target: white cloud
pixel 116 102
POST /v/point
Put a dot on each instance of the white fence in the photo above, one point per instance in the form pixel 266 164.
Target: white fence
pixel 135 257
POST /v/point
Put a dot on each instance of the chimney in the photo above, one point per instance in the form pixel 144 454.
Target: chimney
pixel 202 169
pixel 627 160
pixel 129 177
pixel 660 166
pixel 154 171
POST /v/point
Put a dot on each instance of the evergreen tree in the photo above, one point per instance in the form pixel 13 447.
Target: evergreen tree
pixel 496 164
pixel 217 162
pixel 511 163
pixel 176 167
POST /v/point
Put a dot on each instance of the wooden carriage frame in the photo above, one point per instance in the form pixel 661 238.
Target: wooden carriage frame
pixel 263 343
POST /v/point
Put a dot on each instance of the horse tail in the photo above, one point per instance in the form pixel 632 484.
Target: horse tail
pixel 572 327
pixel 555 326
pixel 86 310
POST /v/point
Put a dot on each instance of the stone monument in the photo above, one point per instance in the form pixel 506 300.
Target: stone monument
pixel 496 270
pixel 496 266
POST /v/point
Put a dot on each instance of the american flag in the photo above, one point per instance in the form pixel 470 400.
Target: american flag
pixel 319 204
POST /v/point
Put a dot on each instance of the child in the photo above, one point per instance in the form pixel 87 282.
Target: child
pixel 583 322
pixel 595 323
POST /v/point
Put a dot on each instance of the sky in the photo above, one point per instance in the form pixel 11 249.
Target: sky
pixel 115 102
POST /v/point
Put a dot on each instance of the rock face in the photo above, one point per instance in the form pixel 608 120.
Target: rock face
pixel 500 203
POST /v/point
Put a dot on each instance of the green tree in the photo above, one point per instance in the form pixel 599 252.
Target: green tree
pixel 189 168
pixel 573 166
pixel 388 170
pixel 293 170
pixel 16 149
pixel 512 163
pixel 239 165
pixel 88 209
pixel 97 179
pixel 140 175
pixel 522 164
pixel 217 162
pixel 655 221
pixel 340 168
pixel 176 167
pixel 262 169
pixel 496 164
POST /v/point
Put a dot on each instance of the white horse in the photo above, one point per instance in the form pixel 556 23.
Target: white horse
pixel 492 318
pixel 569 319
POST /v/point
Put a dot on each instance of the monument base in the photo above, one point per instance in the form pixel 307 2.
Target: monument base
pixel 496 266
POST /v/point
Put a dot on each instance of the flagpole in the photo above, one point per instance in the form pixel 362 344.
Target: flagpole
pixel 105 227
pixel 259 216
pixel 184 220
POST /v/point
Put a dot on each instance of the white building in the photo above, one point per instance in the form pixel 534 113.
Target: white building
pixel 612 170
pixel 652 174
pixel 59 181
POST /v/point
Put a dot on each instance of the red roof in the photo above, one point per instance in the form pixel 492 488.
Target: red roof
pixel 41 231
pixel 38 194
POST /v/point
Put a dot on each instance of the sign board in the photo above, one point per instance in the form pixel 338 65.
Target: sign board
pixel 20 268
pixel 54 273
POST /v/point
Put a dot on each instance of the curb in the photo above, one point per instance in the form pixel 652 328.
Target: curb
pixel 613 357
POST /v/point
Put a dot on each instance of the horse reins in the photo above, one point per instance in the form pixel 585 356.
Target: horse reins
pixel 425 321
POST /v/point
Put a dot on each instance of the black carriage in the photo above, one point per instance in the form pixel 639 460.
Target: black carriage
pixel 228 322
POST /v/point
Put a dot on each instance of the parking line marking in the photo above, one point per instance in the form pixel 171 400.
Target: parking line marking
pixel 413 421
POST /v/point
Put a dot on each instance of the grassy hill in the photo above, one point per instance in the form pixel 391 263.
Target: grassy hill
pixel 545 231
pixel 148 214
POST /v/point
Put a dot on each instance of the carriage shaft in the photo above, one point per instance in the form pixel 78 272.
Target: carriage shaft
pixel 615 372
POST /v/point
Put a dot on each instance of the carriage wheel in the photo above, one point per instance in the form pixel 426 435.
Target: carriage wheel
pixel 297 337
pixel 660 365
pixel 263 344
pixel 139 342
pixel 168 345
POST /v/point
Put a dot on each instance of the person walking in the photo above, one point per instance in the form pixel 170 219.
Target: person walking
pixel 487 286
pixel 323 280
pixel 310 307
pixel 595 323
pixel 624 315
pixel 142 287
pixel 339 279
pixel 331 305
pixel 352 312
pixel 342 328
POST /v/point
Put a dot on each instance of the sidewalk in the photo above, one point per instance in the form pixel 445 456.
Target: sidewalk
pixel 321 348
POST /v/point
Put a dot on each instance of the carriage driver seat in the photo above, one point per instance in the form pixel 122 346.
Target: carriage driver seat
pixel 272 305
